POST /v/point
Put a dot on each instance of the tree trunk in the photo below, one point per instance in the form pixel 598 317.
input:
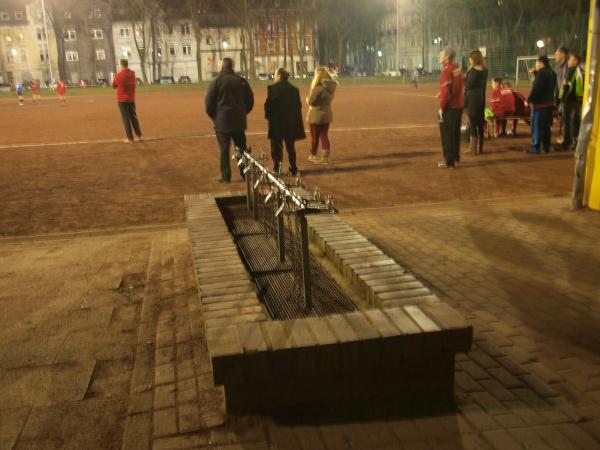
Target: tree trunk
pixel 153 37
pixel 141 51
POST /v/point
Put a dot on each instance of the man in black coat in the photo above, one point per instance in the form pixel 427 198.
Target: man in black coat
pixel 229 100
pixel 283 110
pixel 542 103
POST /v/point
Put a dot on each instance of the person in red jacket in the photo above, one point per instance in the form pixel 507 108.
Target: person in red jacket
pixel 125 83
pixel 61 91
pixel 35 91
pixel 502 103
pixel 451 106
pixel 522 109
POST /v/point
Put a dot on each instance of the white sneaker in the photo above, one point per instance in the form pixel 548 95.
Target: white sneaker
pixel 312 157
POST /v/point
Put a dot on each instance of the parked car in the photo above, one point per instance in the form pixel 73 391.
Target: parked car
pixel 102 82
pixel 263 76
pixel 5 87
pixel 184 79
pixel 166 80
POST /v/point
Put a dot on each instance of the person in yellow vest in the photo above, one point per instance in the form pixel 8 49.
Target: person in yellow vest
pixel 571 96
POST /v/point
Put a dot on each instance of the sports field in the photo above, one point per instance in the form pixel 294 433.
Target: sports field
pixel 64 168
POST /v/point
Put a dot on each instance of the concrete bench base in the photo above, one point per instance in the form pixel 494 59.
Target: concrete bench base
pixel 402 347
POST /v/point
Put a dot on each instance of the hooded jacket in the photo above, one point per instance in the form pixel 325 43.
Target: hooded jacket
pixel 319 102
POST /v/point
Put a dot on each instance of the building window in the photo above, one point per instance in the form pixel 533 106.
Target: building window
pixel 187 50
pixel 209 40
pixel 124 32
pixel 71 55
pixel 23 55
pixel 70 35
pixel 43 56
pixel 126 52
pixel 97 13
pixel 97 34
pixel 185 29
pixel 67 14
pixel 19 15
pixel 99 75
pixel 10 55
pixel 172 51
pixel 100 55
pixel 41 34
pixel 171 30
pixel 4 16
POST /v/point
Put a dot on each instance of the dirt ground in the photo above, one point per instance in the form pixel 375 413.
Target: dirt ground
pixel 63 167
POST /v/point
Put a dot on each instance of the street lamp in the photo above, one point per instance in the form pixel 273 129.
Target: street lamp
pixel 225 45
pixel 379 53
pixel 540 44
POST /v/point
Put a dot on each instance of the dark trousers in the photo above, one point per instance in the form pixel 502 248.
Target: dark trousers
pixel 319 131
pixel 572 123
pixel 541 129
pixel 477 129
pixel 450 132
pixel 277 153
pixel 130 119
pixel 224 140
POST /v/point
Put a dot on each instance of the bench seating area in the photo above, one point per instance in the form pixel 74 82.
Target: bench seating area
pixel 403 346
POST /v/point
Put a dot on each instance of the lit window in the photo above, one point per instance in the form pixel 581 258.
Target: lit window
pixel 70 35
pixel 100 55
pixel 187 50
pixel 71 55
pixel 97 34
pixel 126 52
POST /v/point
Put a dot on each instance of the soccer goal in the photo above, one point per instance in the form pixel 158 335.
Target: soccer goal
pixel 525 64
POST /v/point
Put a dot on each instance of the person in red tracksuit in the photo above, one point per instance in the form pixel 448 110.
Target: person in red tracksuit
pixel 451 106
pixel 61 91
pixel 502 103
pixel 125 83
pixel 35 91
pixel 522 109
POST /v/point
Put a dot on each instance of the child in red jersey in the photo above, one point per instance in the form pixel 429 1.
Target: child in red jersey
pixel 35 91
pixel 61 91
pixel 502 103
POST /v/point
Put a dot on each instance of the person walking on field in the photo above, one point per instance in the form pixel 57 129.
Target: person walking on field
pixel 125 83
pixel 451 105
pixel 61 91
pixel 283 110
pixel 20 93
pixel 228 101
pixel 475 85
pixel 542 103
pixel 320 114
pixel 35 91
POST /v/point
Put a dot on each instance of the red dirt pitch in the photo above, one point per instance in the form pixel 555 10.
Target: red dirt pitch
pixel 63 167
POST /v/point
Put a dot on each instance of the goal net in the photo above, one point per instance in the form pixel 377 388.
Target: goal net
pixel 525 64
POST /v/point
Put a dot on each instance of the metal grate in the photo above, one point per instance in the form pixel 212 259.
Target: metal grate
pixel 278 282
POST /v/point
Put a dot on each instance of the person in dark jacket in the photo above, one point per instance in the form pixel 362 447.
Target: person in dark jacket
pixel 283 110
pixel 542 103
pixel 452 101
pixel 475 85
pixel 571 96
pixel 229 100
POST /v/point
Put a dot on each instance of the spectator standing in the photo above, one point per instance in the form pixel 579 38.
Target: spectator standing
pixel 283 110
pixel 475 85
pixel 125 83
pixel 562 67
pixel 451 97
pixel 542 101
pixel 35 91
pixel 228 101
pixel 502 104
pixel 61 91
pixel 320 114
pixel 20 93
pixel 415 77
pixel 571 96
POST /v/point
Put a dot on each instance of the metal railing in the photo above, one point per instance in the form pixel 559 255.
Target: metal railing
pixel 286 200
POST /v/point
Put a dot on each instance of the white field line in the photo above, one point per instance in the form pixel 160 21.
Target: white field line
pixel 203 136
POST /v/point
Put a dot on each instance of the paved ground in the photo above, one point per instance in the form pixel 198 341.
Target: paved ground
pixel 101 344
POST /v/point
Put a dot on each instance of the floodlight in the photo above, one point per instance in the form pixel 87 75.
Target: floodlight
pixel 540 44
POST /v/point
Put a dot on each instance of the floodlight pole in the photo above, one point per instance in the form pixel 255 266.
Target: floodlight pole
pixel 47 44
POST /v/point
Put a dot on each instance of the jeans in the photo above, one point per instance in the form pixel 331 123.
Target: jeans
pixel 224 140
pixel 130 119
pixel 450 132
pixel 317 131
pixel 277 153
pixel 541 129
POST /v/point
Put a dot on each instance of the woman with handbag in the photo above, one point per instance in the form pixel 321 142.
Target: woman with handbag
pixel 320 115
